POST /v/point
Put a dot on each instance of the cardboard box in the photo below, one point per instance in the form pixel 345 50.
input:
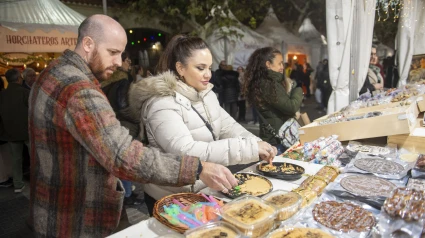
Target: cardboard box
pixel 420 101
pixel 414 142
pixel 395 121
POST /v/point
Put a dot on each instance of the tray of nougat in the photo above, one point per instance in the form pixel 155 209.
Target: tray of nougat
pixel 215 229
pixel 287 203
pixel 408 204
pixel 250 184
pixel 253 216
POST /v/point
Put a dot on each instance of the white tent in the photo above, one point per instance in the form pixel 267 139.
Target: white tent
pixel 349 47
pixel 239 49
pixel 37 26
pixel 283 40
pixel 310 34
pixel 410 38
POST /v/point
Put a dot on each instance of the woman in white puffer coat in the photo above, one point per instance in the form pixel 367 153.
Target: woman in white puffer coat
pixel 181 114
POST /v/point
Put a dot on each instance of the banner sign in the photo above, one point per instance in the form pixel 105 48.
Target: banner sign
pixel 37 41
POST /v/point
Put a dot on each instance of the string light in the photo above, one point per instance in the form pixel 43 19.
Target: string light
pixel 386 5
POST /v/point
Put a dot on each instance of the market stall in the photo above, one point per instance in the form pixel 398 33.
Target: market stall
pixel 352 190
pixel 33 32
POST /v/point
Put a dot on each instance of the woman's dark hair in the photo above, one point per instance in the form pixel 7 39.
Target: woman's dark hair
pixel 256 70
pixel 179 49
pixel 124 55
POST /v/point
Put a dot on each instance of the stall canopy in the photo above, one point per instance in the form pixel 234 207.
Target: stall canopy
pixel 238 48
pixel 283 40
pixel 37 26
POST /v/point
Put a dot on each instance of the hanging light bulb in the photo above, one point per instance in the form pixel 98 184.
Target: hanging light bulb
pixel 45 65
pixel 38 64
pixel 25 65
pixel 7 63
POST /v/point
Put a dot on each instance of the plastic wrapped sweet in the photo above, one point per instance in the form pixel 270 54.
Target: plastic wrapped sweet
pixel 388 167
pixel 408 204
pixel 253 216
pixel 418 184
pixel 354 147
pixel 419 169
pixel 328 173
pixel 214 230
pixel 324 151
pixel 339 217
pixel 314 183
pixel 367 186
pixel 343 216
pixel 307 195
pixel 287 203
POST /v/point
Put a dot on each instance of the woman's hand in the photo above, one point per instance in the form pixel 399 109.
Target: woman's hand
pixel 266 152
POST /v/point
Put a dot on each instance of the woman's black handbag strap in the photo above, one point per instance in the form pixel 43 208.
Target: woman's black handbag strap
pixel 206 123
pixel 267 127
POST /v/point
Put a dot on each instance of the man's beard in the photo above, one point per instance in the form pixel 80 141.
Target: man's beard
pixel 98 68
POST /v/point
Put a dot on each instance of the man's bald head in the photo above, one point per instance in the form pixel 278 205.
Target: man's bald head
pixel 96 26
pixel 101 40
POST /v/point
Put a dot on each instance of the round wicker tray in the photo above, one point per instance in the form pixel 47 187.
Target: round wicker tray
pixel 185 198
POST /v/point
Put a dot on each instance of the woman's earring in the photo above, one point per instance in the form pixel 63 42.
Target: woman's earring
pixel 182 78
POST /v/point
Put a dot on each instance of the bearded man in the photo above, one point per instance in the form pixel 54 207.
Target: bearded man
pixel 79 149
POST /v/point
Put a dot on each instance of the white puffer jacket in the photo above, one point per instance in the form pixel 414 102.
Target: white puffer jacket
pixel 165 105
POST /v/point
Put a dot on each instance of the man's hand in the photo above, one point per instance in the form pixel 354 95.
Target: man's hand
pixel 217 177
pixel 266 151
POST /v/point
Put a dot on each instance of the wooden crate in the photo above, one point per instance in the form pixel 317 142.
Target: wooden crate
pixel 414 142
pixel 398 120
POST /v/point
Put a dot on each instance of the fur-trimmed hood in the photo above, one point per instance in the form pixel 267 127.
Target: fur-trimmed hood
pixel 162 85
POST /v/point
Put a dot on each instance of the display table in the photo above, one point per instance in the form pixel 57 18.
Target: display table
pixel 152 228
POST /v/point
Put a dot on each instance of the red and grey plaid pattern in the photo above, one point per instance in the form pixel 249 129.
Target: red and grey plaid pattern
pixel 78 149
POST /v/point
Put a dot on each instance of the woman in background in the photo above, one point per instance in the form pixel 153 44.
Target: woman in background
pixel 266 88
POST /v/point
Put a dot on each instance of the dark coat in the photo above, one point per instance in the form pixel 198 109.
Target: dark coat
pixel 116 90
pixel 278 111
pixel 323 80
pixel 230 85
pixel 14 113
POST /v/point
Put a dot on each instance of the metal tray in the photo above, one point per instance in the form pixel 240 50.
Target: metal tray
pixel 282 175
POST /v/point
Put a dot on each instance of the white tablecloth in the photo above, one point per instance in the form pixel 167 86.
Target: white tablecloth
pixel 153 228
